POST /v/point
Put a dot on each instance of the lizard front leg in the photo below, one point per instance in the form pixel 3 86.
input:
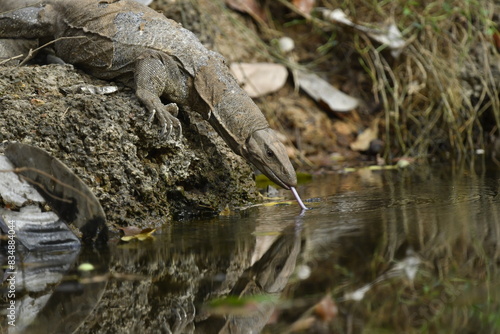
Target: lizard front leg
pixel 156 74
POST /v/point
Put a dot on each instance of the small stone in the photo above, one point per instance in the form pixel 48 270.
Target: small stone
pixel 286 44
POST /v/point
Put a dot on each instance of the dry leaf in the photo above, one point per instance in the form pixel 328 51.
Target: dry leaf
pixel 305 6
pixel 251 7
pixel 89 89
pixel 260 78
pixel 322 91
pixel 37 102
pixel 130 230
pixel 344 128
pixel 362 142
pixel 226 211
pixel 142 235
pixel 388 34
pixel 326 309
pixel 496 40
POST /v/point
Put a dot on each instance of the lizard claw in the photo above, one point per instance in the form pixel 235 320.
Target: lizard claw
pixel 151 116
pixel 173 123
pixel 167 119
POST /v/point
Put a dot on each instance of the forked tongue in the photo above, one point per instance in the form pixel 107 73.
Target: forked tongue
pixel 297 197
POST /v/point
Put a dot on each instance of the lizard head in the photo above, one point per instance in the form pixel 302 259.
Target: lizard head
pixel 268 154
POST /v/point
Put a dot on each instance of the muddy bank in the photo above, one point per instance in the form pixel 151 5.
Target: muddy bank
pixel 139 178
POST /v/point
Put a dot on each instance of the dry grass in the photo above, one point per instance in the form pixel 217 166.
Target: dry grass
pixel 442 93
pixel 439 97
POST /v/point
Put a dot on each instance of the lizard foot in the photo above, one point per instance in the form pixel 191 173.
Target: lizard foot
pixel 167 119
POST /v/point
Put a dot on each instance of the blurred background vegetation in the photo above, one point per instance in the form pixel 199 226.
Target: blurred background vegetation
pixel 438 98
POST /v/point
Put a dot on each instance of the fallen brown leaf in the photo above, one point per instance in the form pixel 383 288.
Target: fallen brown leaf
pixel 326 309
pixel 362 142
pixel 259 79
pixel 251 7
pixel 305 6
pixel 130 230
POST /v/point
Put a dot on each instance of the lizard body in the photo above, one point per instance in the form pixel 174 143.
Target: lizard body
pixel 10 48
pixel 126 41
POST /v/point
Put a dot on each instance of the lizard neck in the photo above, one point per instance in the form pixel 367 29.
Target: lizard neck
pixel 235 118
pixel 235 143
pixel 231 112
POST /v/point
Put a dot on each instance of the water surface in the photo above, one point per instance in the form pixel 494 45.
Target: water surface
pixel 391 251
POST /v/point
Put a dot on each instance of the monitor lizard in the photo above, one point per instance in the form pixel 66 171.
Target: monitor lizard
pixel 125 41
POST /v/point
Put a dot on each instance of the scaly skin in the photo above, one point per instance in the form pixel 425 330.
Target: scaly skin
pixel 123 40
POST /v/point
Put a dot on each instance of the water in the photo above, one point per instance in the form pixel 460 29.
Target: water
pixel 395 251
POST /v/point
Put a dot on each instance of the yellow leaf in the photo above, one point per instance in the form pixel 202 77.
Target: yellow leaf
pixel 225 212
pixel 86 267
pixel 145 234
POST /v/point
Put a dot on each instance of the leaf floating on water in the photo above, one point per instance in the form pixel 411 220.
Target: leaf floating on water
pixel 277 203
pixel 226 212
pixel 323 92
pixel 144 234
pixel 86 267
pixel 259 79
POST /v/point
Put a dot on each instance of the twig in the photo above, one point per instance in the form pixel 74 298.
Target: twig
pixel 33 51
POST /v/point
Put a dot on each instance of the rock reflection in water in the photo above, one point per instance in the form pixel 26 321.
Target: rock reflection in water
pixel 162 285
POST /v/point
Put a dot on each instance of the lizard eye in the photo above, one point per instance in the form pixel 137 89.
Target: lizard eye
pixel 269 153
